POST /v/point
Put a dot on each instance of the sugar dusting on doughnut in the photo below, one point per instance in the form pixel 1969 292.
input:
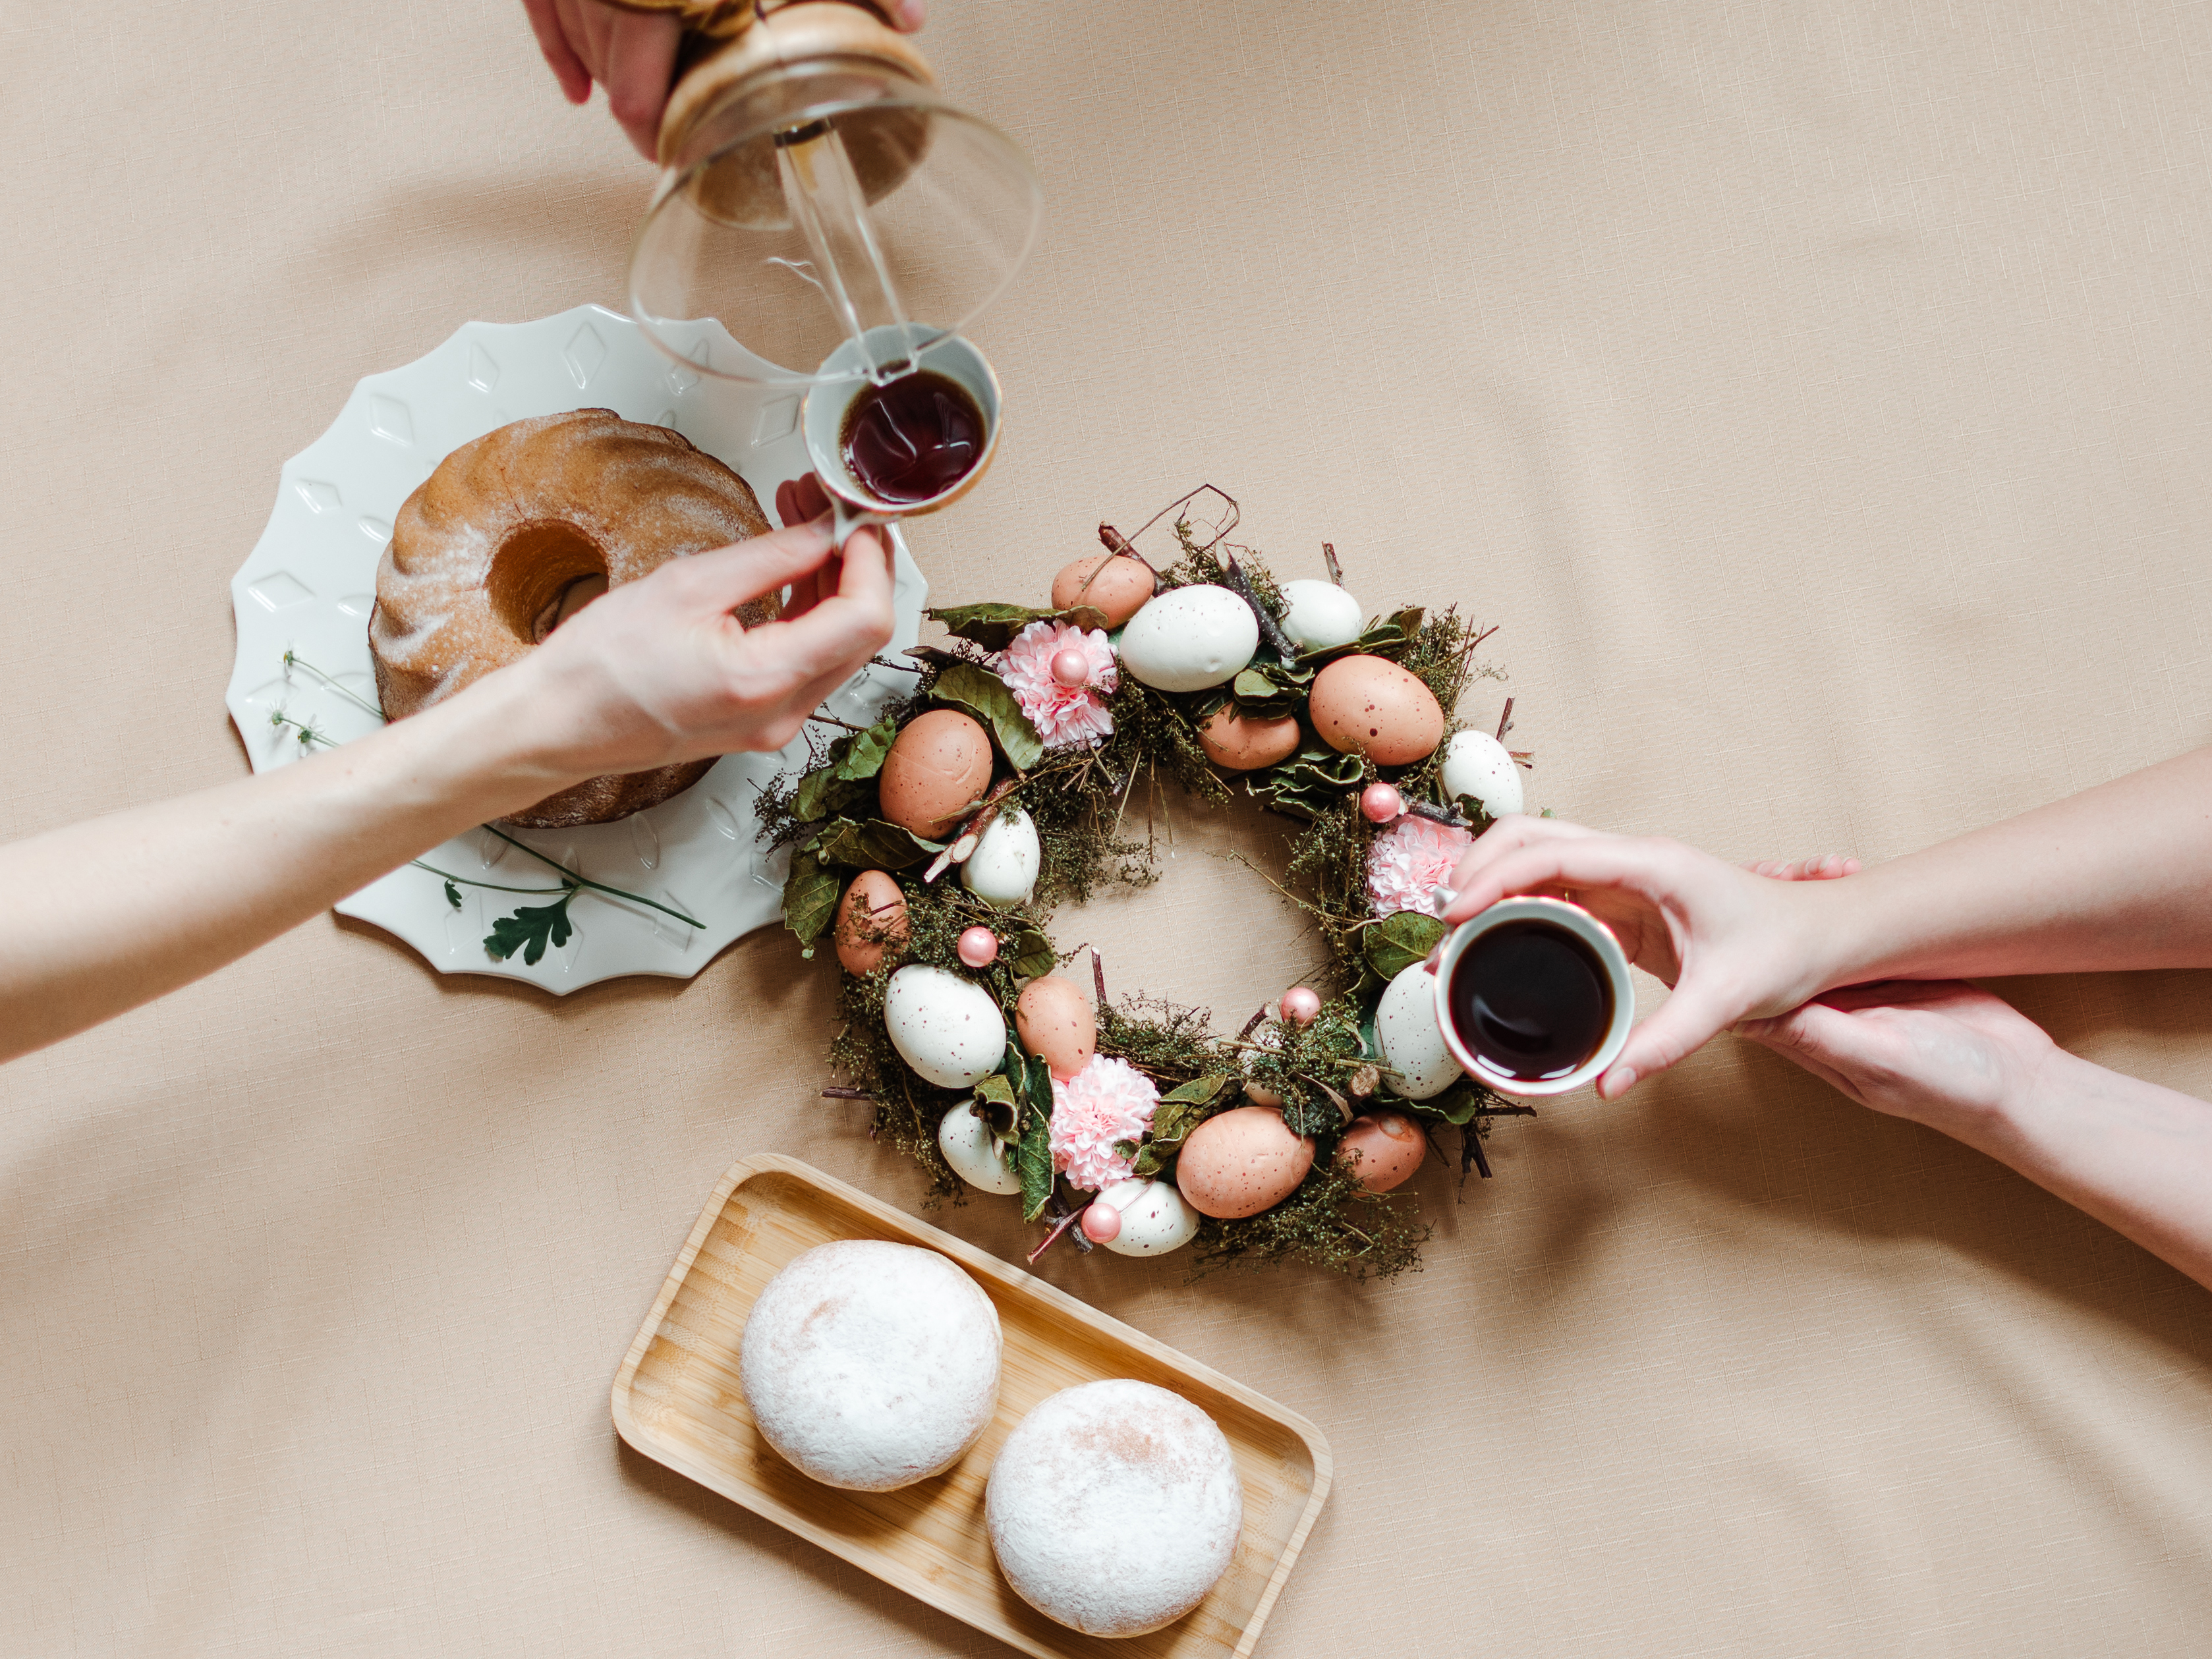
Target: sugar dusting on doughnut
pixel 871 1365
pixel 1114 1507
pixel 484 550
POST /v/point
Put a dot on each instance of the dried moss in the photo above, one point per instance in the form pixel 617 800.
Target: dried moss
pixel 1331 1221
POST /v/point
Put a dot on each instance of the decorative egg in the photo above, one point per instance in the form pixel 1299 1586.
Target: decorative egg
pixel 1475 763
pixel 1054 1022
pixel 1154 1217
pixel 872 905
pixel 1367 706
pixel 1267 1036
pixel 1118 585
pixel 1383 1150
pixel 978 946
pixel 1003 868
pixel 1190 638
pixel 974 1151
pixel 1237 743
pixel 1242 1161
pixel 1413 1046
pixel 939 765
pixel 1319 615
pixel 947 1028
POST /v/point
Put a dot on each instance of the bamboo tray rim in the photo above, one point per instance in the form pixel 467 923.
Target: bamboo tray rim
pixel 1017 1282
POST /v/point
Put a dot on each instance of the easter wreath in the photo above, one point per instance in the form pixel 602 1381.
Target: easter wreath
pixel 932 846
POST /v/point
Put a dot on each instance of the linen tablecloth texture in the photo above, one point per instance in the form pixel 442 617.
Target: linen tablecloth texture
pixel 1815 395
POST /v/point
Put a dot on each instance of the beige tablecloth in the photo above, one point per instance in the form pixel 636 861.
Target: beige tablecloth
pixel 1815 393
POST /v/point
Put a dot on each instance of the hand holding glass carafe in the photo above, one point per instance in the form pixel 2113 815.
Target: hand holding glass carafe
pixel 844 223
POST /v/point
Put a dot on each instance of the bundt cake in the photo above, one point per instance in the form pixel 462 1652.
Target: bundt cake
pixel 516 531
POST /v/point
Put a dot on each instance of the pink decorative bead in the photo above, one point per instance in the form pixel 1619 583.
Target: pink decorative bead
pixel 1301 1005
pixel 1380 803
pixel 1102 1224
pixel 1071 667
pixel 979 946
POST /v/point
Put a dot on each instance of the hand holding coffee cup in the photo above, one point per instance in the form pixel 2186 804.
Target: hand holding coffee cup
pixel 1532 996
pixel 1732 943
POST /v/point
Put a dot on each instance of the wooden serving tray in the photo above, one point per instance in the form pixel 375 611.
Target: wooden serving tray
pixel 677 1400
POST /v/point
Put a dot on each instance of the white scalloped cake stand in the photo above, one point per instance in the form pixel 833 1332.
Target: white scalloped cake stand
pixel 307 584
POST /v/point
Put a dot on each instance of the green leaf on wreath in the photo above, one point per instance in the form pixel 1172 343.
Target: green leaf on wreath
pixel 994 626
pixel 1181 1110
pixel 864 758
pixel 1311 1114
pixel 810 898
pixel 1034 956
pixel 1400 940
pixel 1250 685
pixel 985 695
pixel 1308 784
pixel 1033 1163
pixel 1456 1105
pixel 874 845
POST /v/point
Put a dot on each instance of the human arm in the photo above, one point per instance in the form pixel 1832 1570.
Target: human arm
pixel 630 50
pixel 106 915
pixel 2117 877
pixel 2135 1155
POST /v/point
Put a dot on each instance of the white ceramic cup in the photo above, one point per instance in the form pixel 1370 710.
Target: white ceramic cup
pixel 840 380
pixel 1569 918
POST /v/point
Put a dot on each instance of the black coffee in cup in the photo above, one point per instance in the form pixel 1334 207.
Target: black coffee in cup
pixel 912 439
pixel 1530 1001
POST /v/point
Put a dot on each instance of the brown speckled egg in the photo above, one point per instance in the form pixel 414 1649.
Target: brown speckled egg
pixel 1119 586
pixel 1054 1022
pixel 1242 1161
pixel 1383 1151
pixel 1239 744
pixel 1367 705
pixel 938 765
pixel 870 920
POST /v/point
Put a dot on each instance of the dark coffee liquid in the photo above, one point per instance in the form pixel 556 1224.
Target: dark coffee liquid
pixel 1530 1001
pixel 913 438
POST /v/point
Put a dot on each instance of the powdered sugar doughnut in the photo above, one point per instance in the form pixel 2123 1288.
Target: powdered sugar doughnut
pixel 1114 1507
pixel 871 1365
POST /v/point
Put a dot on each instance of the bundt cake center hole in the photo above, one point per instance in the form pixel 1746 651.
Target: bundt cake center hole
pixel 542 575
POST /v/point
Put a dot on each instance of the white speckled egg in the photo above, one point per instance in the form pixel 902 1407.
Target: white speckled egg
pixel 1003 868
pixel 1476 763
pixel 1154 1217
pixel 1319 615
pixel 1406 1026
pixel 972 1149
pixel 947 1028
pixel 1190 638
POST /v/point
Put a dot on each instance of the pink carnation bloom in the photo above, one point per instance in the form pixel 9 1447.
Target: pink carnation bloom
pixel 1064 715
pixel 1410 857
pixel 1109 1100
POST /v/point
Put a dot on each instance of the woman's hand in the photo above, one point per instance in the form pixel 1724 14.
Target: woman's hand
pixel 660 671
pixel 1940 1052
pixel 1734 943
pixel 631 51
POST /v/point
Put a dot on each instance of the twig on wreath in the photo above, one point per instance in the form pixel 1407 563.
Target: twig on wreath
pixel 1270 630
pixel 1328 558
pixel 1505 720
pixel 1470 1151
pixel 1118 545
pixel 1236 516
pixel 831 719
pixel 1098 975
pixel 839 1092
pixel 962 845
pixel 1061 1227
pixel 1253 1024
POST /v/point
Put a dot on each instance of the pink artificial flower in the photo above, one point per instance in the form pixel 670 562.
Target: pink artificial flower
pixel 1413 856
pixel 1109 1100
pixel 1064 715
